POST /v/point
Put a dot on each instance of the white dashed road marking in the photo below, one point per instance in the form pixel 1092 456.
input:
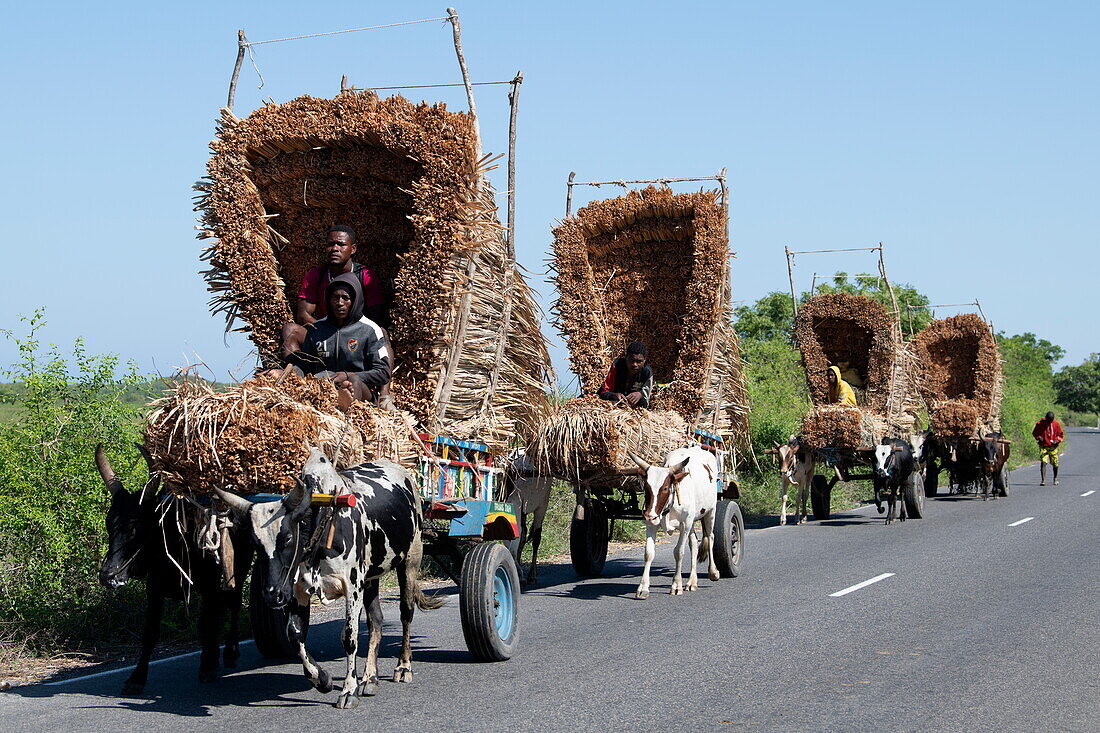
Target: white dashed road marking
pixel 1089 492
pixel 1021 521
pixel 857 586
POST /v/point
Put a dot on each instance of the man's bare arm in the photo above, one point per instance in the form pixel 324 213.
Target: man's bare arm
pixel 306 311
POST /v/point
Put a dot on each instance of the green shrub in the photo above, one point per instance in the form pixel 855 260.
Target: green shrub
pixel 1028 391
pixel 52 501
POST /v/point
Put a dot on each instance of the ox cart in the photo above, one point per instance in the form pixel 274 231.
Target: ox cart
pixel 469 364
pixel 861 339
pixel 652 266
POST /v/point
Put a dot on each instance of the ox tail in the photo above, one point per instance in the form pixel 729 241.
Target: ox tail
pixel 423 601
pixel 704 549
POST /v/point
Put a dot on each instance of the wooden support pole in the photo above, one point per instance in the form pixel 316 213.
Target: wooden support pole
pixel 242 44
pixel 790 276
pixel 456 27
pixel 513 100
pixel 569 194
pixel 343 83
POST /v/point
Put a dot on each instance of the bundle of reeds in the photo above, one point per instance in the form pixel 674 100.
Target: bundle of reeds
pixel 653 266
pixel 465 327
pixel 960 376
pixel 589 439
pixel 255 436
pixel 836 426
pixel 860 337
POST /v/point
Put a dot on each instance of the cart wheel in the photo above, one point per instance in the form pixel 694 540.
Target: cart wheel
pixel 270 626
pixel 588 539
pixel 1000 481
pixel 729 538
pixel 932 479
pixel 914 497
pixel 488 601
pixel 820 493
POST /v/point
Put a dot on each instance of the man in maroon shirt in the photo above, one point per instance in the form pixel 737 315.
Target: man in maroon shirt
pixel 1048 434
pixel 629 382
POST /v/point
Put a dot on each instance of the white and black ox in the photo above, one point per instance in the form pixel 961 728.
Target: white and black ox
pixel 148 538
pixel 895 470
pixel 343 558
pixel 529 492
pixel 676 495
pixel 993 453
pixel 796 468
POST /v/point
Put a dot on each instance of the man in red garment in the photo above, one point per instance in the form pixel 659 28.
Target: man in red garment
pixel 1048 434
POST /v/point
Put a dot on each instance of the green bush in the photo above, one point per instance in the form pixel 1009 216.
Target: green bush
pixel 1028 391
pixel 52 501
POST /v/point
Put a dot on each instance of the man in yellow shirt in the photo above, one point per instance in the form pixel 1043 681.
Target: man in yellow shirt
pixel 840 392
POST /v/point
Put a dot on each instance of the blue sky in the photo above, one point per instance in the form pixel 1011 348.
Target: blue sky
pixel 961 134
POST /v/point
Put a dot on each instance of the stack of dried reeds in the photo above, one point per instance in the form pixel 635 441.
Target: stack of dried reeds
pixel 255 436
pixel 468 350
pixel 860 337
pixel 589 439
pixel 960 376
pixel 653 266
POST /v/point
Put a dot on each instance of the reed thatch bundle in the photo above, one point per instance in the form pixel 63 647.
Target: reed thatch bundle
pixel 860 337
pixel 590 439
pixel 653 266
pixel 836 426
pixel 465 328
pixel 255 436
pixel 959 376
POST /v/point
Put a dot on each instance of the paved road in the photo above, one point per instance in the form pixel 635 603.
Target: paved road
pixel 982 626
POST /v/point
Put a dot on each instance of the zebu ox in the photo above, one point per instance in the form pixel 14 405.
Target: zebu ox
pixel 895 469
pixel 381 532
pixel 796 468
pixel 993 452
pixel 529 492
pixel 676 495
pixel 147 538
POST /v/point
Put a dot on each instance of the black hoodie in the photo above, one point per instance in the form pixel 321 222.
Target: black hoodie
pixel 357 347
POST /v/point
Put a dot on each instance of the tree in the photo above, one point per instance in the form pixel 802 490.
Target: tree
pixel 768 318
pixel 1078 387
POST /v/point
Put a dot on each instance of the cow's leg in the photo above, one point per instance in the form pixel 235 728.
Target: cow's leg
pixel 296 625
pixel 692 557
pixel 210 624
pixel 536 540
pixel 154 609
pixel 901 498
pixel 406 577
pixel 353 609
pixel 800 498
pixel 686 529
pixel 242 561
pixel 369 685
pixel 708 545
pixel 650 551
pixel 890 499
pixel 784 486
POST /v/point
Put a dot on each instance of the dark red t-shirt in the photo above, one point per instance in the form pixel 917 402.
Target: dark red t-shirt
pixel 318 278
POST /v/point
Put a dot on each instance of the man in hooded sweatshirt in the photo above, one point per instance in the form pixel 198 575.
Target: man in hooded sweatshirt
pixel 345 346
pixel 840 392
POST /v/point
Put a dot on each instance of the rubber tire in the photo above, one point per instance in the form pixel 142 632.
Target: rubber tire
pixel 913 496
pixel 1002 490
pixel 588 540
pixel 820 494
pixel 932 479
pixel 478 605
pixel 270 625
pixel 729 538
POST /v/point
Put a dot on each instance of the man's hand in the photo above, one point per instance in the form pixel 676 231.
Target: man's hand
pixel 633 398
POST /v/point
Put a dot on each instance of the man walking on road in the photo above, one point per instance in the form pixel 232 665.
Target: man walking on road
pixel 1048 434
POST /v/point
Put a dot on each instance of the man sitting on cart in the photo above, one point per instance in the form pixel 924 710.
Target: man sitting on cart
pixel 345 346
pixel 629 381
pixel 840 392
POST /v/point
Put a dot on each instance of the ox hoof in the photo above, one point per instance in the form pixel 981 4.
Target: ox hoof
pixel 693 585
pixel 880 508
pixel 369 686
pixel 323 683
pixel 641 595
pixel 802 520
pixel 231 656
pixel 347 701
pixel 130 688
pixel 208 675
pixel 402 674
pixel 676 591
pixel 714 575
pixel 782 521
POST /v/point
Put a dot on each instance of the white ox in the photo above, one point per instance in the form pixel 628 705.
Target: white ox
pixel 796 468
pixel 529 491
pixel 676 495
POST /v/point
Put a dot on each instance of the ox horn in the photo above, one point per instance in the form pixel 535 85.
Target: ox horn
pixel 236 503
pixel 295 497
pixel 639 462
pixel 110 480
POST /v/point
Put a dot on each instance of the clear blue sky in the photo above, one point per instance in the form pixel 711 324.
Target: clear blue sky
pixel 962 134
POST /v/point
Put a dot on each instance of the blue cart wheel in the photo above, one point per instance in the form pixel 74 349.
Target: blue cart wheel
pixel 489 602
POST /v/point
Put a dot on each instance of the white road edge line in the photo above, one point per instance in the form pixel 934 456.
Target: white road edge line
pixel 1093 491
pixel 106 672
pixel 1021 521
pixel 857 586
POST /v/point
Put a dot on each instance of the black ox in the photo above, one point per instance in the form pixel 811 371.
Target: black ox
pixel 993 452
pixel 895 471
pixel 148 539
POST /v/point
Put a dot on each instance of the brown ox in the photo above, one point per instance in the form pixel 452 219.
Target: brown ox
pixel 796 468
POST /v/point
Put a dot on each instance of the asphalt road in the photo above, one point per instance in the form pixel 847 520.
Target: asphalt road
pixel 981 626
